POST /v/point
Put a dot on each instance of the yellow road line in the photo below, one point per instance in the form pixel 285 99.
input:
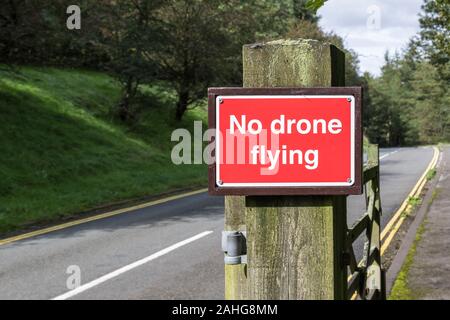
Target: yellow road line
pixel 390 228
pixel 98 217
pixel 415 190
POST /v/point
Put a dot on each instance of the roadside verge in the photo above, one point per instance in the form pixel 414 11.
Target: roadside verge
pixel 415 208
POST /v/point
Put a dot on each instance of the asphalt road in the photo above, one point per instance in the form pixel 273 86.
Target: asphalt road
pixel 150 253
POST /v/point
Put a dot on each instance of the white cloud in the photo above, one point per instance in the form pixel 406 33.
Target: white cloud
pixel 372 27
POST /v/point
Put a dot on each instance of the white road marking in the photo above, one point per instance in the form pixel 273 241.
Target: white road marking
pixel 388 154
pixel 129 267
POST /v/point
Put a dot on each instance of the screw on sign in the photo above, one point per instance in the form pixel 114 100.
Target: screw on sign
pixel 286 141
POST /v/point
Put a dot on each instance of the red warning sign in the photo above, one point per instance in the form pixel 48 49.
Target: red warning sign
pixel 279 143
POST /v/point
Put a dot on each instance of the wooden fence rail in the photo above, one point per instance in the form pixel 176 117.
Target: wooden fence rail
pixel 366 280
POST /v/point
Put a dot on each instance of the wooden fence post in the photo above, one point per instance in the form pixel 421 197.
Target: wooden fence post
pixel 374 276
pixel 295 244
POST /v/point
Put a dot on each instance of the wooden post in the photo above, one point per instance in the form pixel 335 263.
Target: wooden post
pixel 295 244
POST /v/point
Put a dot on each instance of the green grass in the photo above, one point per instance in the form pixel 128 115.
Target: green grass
pixel 434 195
pixel 431 174
pixel 62 152
pixel 401 289
pixel 414 201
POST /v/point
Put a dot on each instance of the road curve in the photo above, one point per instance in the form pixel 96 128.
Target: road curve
pixel 167 251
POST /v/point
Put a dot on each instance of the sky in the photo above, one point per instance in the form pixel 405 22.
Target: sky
pixel 371 27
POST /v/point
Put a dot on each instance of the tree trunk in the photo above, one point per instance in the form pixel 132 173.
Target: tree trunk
pixel 182 104
pixel 124 111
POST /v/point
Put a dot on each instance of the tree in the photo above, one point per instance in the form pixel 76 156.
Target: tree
pixel 130 33
pixel 20 23
pixel 194 50
pixel 409 102
pixel 432 104
pixel 202 43
pixel 376 114
pixel 435 30
pixel 427 61
pixel 35 32
pixel 392 105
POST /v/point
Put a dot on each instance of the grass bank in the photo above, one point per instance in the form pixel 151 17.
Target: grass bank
pixel 62 152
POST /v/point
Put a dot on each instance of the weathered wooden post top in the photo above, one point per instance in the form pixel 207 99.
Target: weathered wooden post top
pixel 288 150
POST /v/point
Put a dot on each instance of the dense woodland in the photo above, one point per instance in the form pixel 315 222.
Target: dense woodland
pixel 189 45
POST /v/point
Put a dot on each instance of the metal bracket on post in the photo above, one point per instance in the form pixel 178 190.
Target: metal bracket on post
pixel 234 246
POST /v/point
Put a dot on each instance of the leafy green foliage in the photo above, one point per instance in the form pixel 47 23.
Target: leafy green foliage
pixel 304 10
pixel 435 30
pixel 315 5
pixel 202 42
pixel 431 174
pixel 34 31
pixel 197 49
pixel 409 104
pixel 128 32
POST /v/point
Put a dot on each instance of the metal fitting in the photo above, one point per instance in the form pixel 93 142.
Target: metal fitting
pixel 234 246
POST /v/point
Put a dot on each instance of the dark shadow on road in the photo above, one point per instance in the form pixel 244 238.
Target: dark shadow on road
pixel 201 206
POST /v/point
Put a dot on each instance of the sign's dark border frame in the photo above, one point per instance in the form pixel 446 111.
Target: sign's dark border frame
pixel 356 188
